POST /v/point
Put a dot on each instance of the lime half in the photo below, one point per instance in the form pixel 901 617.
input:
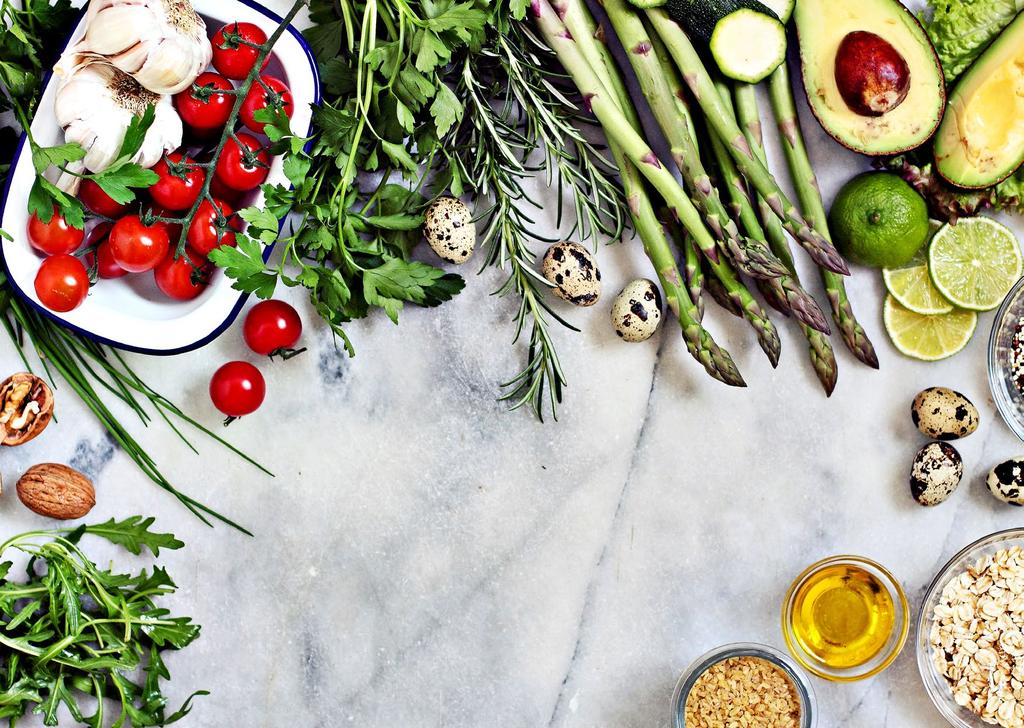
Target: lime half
pixel 928 338
pixel 911 283
pixel 975 263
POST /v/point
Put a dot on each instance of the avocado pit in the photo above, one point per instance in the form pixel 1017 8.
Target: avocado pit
pixel 872 77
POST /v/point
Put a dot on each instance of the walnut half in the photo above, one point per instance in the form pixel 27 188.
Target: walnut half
pixel 26 408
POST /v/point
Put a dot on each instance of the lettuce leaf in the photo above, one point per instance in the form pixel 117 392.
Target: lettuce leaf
pixel 962 29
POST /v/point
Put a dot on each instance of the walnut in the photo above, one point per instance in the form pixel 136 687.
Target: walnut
pixel 26 408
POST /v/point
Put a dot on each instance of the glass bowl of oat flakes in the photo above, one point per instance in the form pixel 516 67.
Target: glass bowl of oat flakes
pixel 970 634
pixel 747 685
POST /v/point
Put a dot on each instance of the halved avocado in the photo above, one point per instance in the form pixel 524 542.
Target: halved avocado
pixel 906 121
pixel 981 140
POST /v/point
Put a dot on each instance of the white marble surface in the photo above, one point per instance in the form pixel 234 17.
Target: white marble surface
pixel 424 558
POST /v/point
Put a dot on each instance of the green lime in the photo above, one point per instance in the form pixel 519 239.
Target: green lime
pixel 879 220
pixel 928 338
pixel 911 284
pixel 975 263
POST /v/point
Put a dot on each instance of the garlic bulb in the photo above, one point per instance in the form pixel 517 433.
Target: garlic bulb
pixel 95 103
pixel 160 43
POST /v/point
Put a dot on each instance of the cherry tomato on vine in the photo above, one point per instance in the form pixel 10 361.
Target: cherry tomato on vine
pixel 184 278
pixel 233 58
pixel 274 94
pixel 243 167
pixel 56 237
pixel 180 183
pixel 210 231
pixel 221 191
pixel 62 283
pixel 93 197
pixel 272 327
pixel 237 389
pixel 173 229
pixel 106 266
pixel 138 247
pixel 201 107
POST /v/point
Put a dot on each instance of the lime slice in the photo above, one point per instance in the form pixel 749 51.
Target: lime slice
pixel 975 263
pixel 911 283
pixel 928 338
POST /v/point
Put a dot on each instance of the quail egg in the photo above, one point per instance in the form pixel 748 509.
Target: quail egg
pixel 571 269
pixel 936 473
pixel 1006 482
pixel 636 311
pixel 450 230
pixel 943 414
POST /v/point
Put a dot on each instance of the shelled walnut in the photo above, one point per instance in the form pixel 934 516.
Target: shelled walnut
pixel 26 408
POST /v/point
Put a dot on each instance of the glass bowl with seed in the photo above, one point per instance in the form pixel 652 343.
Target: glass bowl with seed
pixel 845 618
pixel 737 683
pixel 939 687
pixel 1006 359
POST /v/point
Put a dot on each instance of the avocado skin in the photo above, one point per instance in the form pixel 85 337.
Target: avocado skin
pixel 701 16
pixel 842 123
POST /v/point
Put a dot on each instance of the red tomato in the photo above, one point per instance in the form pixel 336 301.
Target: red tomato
pixel 182 279
pixel 235 59
pixel 137 247
pixel 201 107
pixel 106 266
pixel 279 96
pixel 62 283
pixel 272 327
pixel 93 197
pixel 173 229
pixel 56 237
pixel 207 232
pixel 221 191
pixel 245 168
pixel 237 389
pixel 179 185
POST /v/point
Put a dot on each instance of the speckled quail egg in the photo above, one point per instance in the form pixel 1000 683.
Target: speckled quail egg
pixel 636 311
pixel 936 473
pixel 571 269
pixel 450 230
pixel 1006 482
pixel 943 414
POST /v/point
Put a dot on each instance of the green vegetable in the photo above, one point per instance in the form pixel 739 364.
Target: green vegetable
pixel 961 30
pixel 72 631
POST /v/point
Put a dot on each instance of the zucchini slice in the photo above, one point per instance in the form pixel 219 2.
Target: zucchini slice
pixel 782 8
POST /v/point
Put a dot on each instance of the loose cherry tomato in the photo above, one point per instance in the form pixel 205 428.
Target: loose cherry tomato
pixel 233 58
pixel 184 278
pixel 56 237
pixel 62 283
pixel 106 266
pixel 93 197
pixel 180 183
pixel 210 230
pixel 272 327
pixel 237 389
pixel 275 95
pixel 137 247
pixel 201 106
pixel 243 167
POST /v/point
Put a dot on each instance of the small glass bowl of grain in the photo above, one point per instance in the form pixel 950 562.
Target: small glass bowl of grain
pixel 845 618
pixel 1006 359
pixel 726 677
pixel 935 683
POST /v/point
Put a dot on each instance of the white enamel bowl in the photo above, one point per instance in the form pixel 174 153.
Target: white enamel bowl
pixel 131 313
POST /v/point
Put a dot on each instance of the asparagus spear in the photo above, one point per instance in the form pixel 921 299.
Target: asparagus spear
pixel 724 125
pixel 810 199
pixel 693 273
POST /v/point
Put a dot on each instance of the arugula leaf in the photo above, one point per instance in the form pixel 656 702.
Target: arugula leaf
pixel 133 534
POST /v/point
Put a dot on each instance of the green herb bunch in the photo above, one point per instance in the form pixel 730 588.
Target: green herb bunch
pixel 76 635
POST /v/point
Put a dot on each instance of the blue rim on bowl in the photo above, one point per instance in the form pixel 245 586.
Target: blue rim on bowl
pixel 241 298
pixel 804 691
pixel 1008 398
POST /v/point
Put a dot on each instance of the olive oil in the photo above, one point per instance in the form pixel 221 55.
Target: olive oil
pixel 843 615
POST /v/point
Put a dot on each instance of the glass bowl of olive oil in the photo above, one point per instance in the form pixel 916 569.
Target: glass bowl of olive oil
pixel 845 618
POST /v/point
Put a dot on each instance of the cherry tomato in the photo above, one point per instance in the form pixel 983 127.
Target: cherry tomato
pixel 206 234
pixel 237 389
pixel 272 327
pixel 243 169
pixel 179 185
pixel 137 247
pixel 106 266
pixel 93 197
pixel 62 283
pixel 201 107
pixel 232 58
pixel 221 191
pixel 173 229
pixel 279 96
pixel 182 279
pixel 56 237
